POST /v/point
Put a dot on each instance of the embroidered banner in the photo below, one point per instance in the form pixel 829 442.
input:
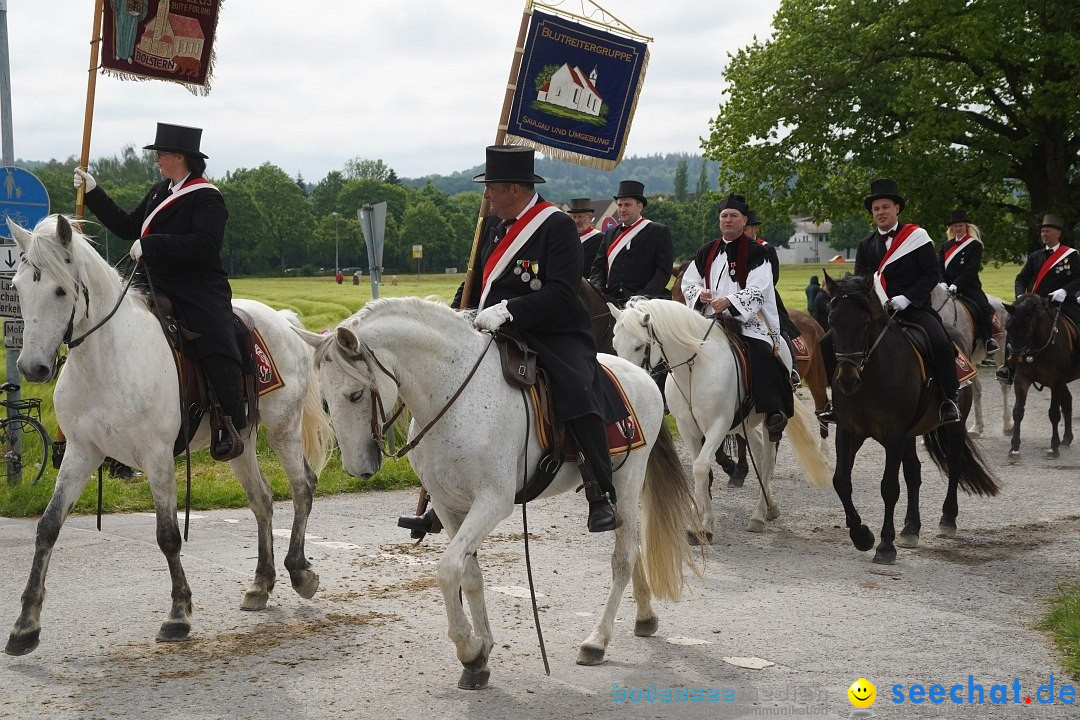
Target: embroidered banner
pixel 160 40
pixel 267 375
pixel 577 91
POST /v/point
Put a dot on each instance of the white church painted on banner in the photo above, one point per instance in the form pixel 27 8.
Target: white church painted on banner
pixel 572 88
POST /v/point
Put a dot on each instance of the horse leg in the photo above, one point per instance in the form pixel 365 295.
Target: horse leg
pixel 895 448
pixel 703 449
pixel 287 445
pixel 1020 388
pixel 741 467
pixel 1006 416
pixel 847 445
pixel 625 561
pixel 976 397
pixel 260 499
pixel 1055 418
pixel 765 460
pixel 912 468
pixel 75 472
pixel 161 472
pixel 1066 413
pixel 453 574
pixel 954 454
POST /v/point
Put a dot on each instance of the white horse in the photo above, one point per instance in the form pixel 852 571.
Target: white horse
pixel 703 392
pixel 957 318
pixel 118 396
pixel 476 450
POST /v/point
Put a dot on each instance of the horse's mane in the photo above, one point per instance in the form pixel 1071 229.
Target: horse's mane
pixel 46 254
pixel 676 322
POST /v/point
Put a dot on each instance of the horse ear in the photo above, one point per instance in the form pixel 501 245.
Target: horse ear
pixel 63 231
pixel 1008 307
pixel 615 311
pixel 830 284
pixel 645 319
pixel 22 235
pixel 347 339
pixel 313 339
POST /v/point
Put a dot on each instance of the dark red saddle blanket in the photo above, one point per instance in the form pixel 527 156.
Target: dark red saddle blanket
pixel 622 435
pixel 802 352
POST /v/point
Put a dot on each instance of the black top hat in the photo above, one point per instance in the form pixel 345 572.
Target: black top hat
pixel 958 216
pixel 735 202
pixel 580 205
pixel 752 218
pixel 1051 220
pixel 884 188
pixel 631 188
pixel 509 164
pixel 178 139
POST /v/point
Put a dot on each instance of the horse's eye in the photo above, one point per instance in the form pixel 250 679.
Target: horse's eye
pixel 325 407
pixel 60 292
pixel 356 396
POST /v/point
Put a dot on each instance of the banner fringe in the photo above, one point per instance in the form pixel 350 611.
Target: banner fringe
pixel 564 155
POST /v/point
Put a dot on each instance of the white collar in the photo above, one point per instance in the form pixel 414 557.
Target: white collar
pixel 535 199
pixel 1054 249
pixel 892 229
pixel 176 186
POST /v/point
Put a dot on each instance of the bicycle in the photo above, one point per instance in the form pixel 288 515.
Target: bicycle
pixel 24 441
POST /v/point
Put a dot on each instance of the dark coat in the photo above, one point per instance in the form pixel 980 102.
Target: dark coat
pixel 552 319
pixel 913 276
pixel 644 268
pixel 182 254
pixel 588 253
pixel 790 329
pixel 963 272
pixel 1065 275
pixel 821 309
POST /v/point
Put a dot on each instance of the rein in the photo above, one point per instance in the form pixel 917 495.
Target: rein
pixel 74 343
pixel 862 356
pixel 1049 340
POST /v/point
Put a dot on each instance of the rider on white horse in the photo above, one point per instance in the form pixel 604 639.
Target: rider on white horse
pixel 529 289
pixel 961 260
pixel 178 230
pixel 733 275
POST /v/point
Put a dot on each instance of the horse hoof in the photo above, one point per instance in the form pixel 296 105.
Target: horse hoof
pixel 1014 455
pixel 1053 454
pixel 885 557
pixel 1067 441
pixel 861 538
pixel 173 631
pixel 773 512
pixel 474 679
pixel 974 433
pixel 907 541
pixel 306 584
pixel 255 600
pixel 646 627
pixel 695 539
pixel 735 482
pixel 23 644
pixel 946 531
pixel 755 526
pixel 587 655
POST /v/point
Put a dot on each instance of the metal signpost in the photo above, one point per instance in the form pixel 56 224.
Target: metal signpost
pixel 373 223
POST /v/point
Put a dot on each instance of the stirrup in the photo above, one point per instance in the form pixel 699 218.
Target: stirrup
pixel 229 445
pixel 949 412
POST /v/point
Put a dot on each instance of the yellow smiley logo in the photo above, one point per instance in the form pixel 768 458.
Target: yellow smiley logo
pixel 862 693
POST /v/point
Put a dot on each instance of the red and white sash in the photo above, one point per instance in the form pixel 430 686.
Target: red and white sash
pixel 910 238
pixel 1049 263
pixel 623 240
pixel 954 250
pixel 588 234
pixel 519 233
pixel 189 187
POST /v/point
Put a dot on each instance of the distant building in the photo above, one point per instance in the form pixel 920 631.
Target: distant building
pixel 569 87
pixel 809 243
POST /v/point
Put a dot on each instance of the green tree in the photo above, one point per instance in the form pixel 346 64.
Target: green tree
pixel 244 232
pixel 357 192
pixel 848 230
pixel 324 195
pixel 364 169
pixel 702 186
pixel 777 232
pixel 130 167
pixel 285 209
pixel 423 224
pixel 681 180
pixel 965 104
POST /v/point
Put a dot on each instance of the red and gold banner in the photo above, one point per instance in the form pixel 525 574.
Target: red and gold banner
pixel 160 40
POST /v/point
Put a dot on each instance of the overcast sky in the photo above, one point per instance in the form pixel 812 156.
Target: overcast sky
pixel 308 85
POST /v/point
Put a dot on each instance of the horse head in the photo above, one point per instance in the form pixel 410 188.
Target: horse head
pixel 355 394
pixel 632 338
pixel 50 291
pixel 1028 328
pixel 856 318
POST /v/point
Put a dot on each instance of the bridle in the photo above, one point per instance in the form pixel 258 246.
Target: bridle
pixel 860 358
pixel 380 423
pixel 1026 351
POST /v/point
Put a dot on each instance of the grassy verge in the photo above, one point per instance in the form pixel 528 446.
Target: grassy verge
pixel 1063 622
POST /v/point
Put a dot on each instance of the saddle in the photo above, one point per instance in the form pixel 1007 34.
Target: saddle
pixel 732 330
pixel 196 395
pixel 965 371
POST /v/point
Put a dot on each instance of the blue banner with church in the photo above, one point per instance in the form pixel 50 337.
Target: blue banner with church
pixel 577 91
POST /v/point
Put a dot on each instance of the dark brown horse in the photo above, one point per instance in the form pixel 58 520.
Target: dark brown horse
pixel 879 392
pixel 602 322
pixel 1041 347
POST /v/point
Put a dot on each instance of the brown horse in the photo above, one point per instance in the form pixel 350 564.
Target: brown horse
pixel 603 324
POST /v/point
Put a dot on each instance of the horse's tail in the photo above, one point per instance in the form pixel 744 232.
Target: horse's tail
pixel 975 476
pixel 802 431
pixel 667 511
pixel 316 433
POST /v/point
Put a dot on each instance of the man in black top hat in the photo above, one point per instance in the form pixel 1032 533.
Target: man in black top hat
pixel 905 267
pixel 1052 272
pixel 635 256
pixel 961 260
pixel 528 288
pixel 582 213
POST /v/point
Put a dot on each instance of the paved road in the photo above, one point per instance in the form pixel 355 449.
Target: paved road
pixel 372 643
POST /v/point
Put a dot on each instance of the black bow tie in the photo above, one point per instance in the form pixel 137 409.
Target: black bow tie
pixel 500 232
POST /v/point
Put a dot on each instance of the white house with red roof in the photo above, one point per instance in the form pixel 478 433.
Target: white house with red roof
pixel 169 35
pixel 572 88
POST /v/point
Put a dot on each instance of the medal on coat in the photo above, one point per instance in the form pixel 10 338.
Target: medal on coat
pixel 535 284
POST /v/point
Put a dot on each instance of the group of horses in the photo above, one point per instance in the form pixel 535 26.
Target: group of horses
pixel 473 436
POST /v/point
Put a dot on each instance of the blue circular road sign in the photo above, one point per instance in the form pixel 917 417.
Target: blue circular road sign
pixel 22 198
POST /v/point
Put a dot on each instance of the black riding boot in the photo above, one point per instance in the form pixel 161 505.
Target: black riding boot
pixel 595 464
pixel 223 374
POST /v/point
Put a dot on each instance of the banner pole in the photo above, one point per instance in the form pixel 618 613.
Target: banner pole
pixel 88 116
pixel 500 135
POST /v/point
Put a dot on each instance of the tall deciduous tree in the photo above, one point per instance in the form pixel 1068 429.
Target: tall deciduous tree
pixel 364 169
pixel 681 180
pixel 285 209
pixel 702 181
pixel 966 104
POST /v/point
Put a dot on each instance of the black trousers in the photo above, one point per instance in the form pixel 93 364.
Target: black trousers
pixel 771 379
pixel 984 314
pixel 591 438
pixel 223 374
pixel 944 355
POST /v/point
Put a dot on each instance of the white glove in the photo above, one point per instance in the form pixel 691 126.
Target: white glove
pixel 952 289
pixel 491 318
pixel 135 253
pixel 900 302
pixel 1058 295
pixel 84 178
pixel 943 286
